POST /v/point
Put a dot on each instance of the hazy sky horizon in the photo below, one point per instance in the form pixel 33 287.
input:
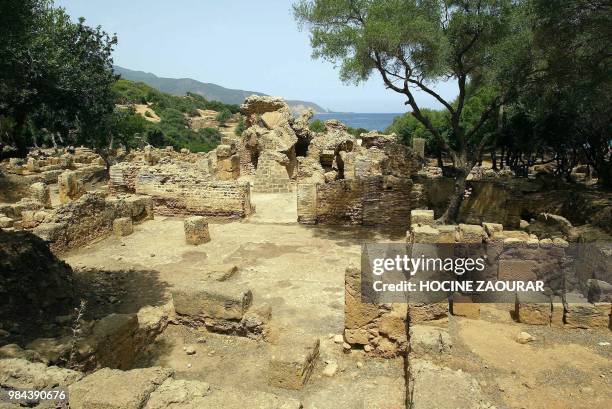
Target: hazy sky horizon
pixel 242 44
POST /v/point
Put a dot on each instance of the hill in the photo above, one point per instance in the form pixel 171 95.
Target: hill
pixel 181 86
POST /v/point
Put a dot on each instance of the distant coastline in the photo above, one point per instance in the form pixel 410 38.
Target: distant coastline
pixel 369 121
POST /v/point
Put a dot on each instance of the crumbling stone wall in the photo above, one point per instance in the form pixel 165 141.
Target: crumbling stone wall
pixel 372 201
pixel 88 218
pixel 177 189
pixel 183 194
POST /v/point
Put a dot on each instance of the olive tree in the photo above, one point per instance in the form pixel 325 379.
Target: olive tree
pixel 412 44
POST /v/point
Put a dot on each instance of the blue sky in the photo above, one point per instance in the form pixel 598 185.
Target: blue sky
pixel 245 44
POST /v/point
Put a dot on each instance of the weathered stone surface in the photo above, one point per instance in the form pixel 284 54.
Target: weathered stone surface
pixel 587 315
pixel 70 187
pixel 421 217
pixel 599 291
pixel 518 270
pixel 438 387
pixel 123 390
pixel 122 226
pixel 22 374
pixel 190 394
pixel 471 233
pixel 530 312
pixel 492 228
pixel 423 234
pixel 429 340
pixel 214 300
pixel 221 272
pixel 292 362
pixel 40 192
pixel 463 306
pixel 427 312
pixel 357 314
pixel 356 336
pixel 196 230
pixel 15 351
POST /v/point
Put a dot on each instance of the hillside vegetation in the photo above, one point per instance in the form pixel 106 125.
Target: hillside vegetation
pixel 182 86
pixel 173 111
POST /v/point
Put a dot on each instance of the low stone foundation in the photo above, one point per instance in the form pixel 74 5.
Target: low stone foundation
pixel 90 217
pixel 176 191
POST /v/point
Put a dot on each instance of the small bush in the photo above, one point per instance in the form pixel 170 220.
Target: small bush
pixel 317 126
pixel 240 127
pixel 223 116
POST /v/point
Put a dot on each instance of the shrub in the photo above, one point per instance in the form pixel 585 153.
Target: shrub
pixel 223 116
pixel 240 127
pixel 317 126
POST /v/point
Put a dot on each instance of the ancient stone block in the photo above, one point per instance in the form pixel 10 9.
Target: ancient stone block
pixel 517 270
pixel 40 192
pixel 421 217
pixel 492 228
pixel 216 300
pixel 423 234
pixel 427 312
pixel 447 234
pixel 70 187
pixel 18 373
pixel 393 325
pixel 530 312
pixel 292 362
pixel 587 315
pixel 225 151
pixel 122 226
pixel 111 343
pixel 196 230
pixel 356 336
pixel 463 306
pixel 357 314
pixel 123 390
pixel 471 233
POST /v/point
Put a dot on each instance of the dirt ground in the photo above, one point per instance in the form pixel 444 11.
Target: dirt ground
pixel 299 271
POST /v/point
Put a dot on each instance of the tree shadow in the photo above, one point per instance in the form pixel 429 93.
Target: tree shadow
pixel 119 291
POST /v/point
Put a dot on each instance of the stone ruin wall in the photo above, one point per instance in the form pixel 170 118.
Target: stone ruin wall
pixel 382 329
pixel 88 218
pixel 367 202
pixel 45 165
pixel 175 192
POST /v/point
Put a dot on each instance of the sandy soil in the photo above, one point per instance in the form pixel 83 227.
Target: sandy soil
pixel 298 270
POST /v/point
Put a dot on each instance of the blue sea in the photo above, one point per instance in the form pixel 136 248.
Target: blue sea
pixel 356 120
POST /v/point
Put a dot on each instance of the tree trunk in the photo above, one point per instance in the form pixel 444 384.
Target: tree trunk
pixel 17 135
pixel 452 211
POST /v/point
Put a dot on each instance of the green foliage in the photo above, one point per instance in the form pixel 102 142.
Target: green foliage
pixel 54 73
pixel 223 116
pixel 240 127
pixel 316 126
pixel 356 131
pixel 173 111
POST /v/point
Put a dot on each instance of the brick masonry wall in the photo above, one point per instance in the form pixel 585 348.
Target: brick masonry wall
pixel 177 192
pixel 271 176
pixel 184 194
pixel 368 202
